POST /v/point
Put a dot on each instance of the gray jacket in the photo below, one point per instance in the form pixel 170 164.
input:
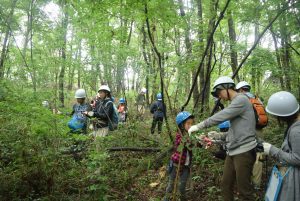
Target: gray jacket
pixel 242 120
pixel 289 154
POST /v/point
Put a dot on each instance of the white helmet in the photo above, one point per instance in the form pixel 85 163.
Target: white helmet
pixel 80 93
pixel 243 84
pixel 104 88
pixel 45 103
pixel 282 104
pixel 223 82
pixel 143 90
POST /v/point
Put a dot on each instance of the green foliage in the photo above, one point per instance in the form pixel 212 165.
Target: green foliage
pixel 32 160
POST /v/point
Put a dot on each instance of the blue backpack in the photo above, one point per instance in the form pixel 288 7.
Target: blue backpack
pixel 114 119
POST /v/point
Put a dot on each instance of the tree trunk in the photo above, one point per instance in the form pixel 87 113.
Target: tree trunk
pixel 63 54
pixel 5 42
pixel 285 55
pixel 201 47
pixel 279 65
pixel 232 39
pixel 206 93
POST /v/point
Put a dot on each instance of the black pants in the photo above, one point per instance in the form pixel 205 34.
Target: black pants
pixel 159 121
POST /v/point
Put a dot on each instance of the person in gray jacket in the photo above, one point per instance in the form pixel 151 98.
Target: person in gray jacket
pixel 240 139
pixel 285 106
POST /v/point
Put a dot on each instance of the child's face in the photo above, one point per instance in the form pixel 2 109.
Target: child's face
pixel 80 100
pixel 102 94
pixel 188 123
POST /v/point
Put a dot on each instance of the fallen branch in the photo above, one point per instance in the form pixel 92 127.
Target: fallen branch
pixel 144 149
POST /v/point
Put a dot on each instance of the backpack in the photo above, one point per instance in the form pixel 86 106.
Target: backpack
pixel 114 119
pixel 259 112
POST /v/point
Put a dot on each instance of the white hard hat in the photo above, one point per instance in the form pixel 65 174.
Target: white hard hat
pixel 104 88
pixel 45 103
pixel 223 82
pixel 80 93
pixel 243 84
pixel 282 104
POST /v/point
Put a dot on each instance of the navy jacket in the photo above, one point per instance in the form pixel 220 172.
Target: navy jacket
pixel 158 109
pixel 103 112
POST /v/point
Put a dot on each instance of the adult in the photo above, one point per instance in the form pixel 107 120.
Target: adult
pixel 240 139
pixel 158 109
pixel 141 101
pixel 285 107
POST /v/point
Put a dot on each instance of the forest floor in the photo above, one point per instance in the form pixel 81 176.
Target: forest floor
pixel 150 183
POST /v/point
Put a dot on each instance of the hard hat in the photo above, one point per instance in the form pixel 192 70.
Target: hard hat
pixel 223 82
pixel 243 84
pixel 104 88
pixel 182 116
pixel 122 100
pixel 282 104
pixel 143 90
pixel 225 124
pixel 45 103
pixel 80 93
pixel 159 96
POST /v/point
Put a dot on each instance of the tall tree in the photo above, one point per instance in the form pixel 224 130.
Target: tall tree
pixel 6 37
pixel 63 52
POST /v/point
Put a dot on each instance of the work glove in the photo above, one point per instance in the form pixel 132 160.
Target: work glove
pixel 267 147
pixel 196 127
pixel 90 113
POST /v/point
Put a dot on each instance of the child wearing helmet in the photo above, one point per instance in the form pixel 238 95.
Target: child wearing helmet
pixel 285 107
pixel 103 111
pixel 122 110
pixel 78 123
pixel 180 158
pixel 158 109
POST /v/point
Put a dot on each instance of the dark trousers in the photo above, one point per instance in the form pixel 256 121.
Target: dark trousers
pixel 159 121
pixel 238 168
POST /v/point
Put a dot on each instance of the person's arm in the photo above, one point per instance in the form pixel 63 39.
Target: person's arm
pixel 152 108
pixel 293 157
pixel 237 107
pixel 73 111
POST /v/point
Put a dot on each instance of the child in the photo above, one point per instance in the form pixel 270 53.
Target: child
pixel 78 123
pixel 180 158
pixel 122 110
pixel 103 112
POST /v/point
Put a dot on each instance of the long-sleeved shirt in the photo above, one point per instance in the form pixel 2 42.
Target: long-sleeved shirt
pixel 103 112
pixel 186 157
pixel 241 134
pixel 158 109
pixel 289 155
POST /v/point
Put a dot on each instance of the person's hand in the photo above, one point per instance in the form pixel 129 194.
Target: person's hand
pixel 215 135
pixel 267 147
pixel 193 128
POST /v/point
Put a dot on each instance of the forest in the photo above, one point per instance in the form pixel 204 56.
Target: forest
pixel 170 50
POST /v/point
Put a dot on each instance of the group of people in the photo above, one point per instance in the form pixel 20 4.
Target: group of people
pixel 237 123
pixel 240 143
pixel 102 110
